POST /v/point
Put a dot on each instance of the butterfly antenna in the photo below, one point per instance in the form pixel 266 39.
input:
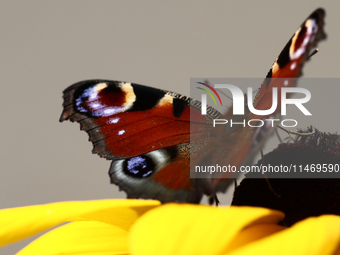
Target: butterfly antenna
pixel 313 52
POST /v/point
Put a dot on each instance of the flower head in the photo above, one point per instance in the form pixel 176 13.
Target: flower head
pixel 145 227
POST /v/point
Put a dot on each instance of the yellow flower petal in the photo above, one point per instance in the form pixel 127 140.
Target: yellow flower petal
pixel 86 237
pixel 124 216
pixel 22 222
pixel 193 229
pixel 317 235
pixel 253 233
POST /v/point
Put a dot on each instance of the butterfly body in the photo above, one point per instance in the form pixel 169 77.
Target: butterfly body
pixel 151 134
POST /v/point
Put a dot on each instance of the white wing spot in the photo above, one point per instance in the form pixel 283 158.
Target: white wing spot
pixel 113 121
pixel 121 132
pixel 95 105
pixel 293 66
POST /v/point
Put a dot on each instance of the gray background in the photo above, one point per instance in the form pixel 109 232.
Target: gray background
pixel 49 45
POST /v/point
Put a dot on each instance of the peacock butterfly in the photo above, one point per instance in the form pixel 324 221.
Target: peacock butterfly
pixel 146 131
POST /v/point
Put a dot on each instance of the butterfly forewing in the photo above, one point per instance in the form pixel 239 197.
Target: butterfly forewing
pixel 146 132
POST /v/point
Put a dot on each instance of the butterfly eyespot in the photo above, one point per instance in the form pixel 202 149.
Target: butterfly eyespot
pixel 139 167
pixel 91 99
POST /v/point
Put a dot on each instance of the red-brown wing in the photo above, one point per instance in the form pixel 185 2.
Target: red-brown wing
pixel 290 62
pixel 145 131
pixel 248 141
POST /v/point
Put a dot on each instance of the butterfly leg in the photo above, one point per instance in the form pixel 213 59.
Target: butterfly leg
pixel 235 183
pixel 213 199
pixel 296 133
pixel 267 180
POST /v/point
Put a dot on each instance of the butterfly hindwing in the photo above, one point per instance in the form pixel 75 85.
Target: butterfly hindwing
pixel 169 170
